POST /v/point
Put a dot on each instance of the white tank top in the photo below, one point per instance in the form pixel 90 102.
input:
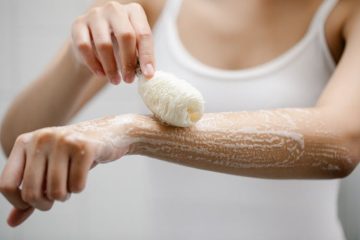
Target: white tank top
pixel 188 203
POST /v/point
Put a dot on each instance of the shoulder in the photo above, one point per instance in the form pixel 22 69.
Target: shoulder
pixel 337 25
pixel 352 22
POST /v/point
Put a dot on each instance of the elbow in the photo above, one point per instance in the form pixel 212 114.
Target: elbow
pixel 351 142
pixel 345 170
pixel 346 135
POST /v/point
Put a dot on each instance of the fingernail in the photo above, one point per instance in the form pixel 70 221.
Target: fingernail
pixel 129 76
pixel 115 79
pixel 149 70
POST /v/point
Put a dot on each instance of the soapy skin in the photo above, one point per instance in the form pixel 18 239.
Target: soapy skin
pixel 265 144
pixel 172 100
pixel 286 143
pixel 51 163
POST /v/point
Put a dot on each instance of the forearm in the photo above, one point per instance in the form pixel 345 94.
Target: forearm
pixel 50 100
pixel 288 143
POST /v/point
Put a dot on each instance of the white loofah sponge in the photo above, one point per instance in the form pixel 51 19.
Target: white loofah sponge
pixel 172 100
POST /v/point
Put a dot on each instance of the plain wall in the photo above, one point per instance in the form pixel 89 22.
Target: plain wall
pixel 31 33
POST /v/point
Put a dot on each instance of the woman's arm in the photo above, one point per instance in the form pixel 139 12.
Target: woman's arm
pixel 50 100
pixel 321 142
pixel 67 83
pixel 283 143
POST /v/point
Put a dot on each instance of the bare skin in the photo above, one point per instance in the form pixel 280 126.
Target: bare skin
pixel 259 36
pixel 329 131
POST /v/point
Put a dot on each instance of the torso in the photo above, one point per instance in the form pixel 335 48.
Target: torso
pixel 240 69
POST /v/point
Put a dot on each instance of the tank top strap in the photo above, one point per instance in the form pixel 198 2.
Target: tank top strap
pixel 319 20
pixel 172 8
pixel 317 29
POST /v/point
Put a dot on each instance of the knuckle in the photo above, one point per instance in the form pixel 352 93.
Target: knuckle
pixel 146 54
pixel 112 68
pixel 43 137
pixel 57 194
pixel 129 67
pixel 136 6
pixel 80 147
pixel 104 47
pixel 112 5
pixel 146 57
pixel 23 139
pixel 144 35
pixel 94 12
pixel 87 151
pixel 83 47
pixel 77 21
pixel 68 142
pixel 30 196
pixel 78 186
pixel 64 141
pixel 126 36
pixel 76 144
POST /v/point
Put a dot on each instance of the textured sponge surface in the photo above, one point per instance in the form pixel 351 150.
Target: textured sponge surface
pixel 171 99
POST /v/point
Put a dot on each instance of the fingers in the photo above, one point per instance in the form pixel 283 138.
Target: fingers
pixel 144 39
pixel 11 179
pixel 12 175
pixel 101 36
pixel 48 164
pixel 57 173
pixel 110 37
pixel 18 216
pixel 82 42
pixel 35 175
pixel 126 42
pixel 81 163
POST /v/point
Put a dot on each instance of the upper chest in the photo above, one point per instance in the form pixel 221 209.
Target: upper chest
pixel 296 78
pixel 245 36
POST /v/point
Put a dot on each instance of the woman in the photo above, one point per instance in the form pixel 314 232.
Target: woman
pixel 297 59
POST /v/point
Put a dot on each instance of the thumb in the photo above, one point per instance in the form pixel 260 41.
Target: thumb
pixel 18 216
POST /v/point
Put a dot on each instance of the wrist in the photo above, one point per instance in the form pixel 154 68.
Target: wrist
pixel 141 126
pixel 122 135
pixel 111 137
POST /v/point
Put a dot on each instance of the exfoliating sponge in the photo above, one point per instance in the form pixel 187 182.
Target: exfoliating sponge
pixel 172 100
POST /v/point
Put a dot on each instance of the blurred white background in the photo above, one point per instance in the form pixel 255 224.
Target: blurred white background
pixel 111 207
pixel 31 32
